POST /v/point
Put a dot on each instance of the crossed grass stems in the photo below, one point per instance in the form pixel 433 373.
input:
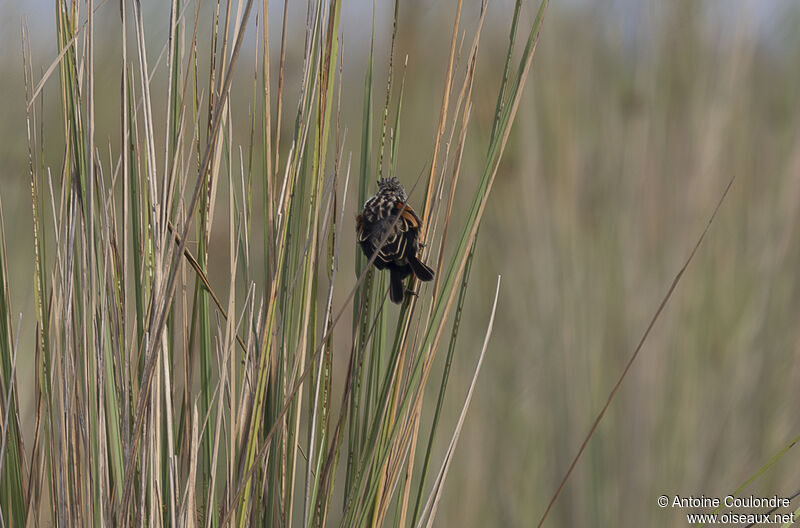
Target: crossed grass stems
pixel 110 445
pixel 83 211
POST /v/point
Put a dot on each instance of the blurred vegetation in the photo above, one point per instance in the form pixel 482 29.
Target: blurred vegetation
pixel 635 117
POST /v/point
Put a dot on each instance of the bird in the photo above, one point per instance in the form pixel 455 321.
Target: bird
pixel 387 217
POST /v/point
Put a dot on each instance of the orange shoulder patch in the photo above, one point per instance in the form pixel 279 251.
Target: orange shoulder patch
pixel 410 218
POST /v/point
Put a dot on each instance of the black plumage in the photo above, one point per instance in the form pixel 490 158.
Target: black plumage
pixel 387 215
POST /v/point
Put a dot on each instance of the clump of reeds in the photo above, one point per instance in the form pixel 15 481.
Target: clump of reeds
pixel 159 399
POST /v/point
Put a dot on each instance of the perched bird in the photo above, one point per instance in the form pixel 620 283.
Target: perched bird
pixel 388 218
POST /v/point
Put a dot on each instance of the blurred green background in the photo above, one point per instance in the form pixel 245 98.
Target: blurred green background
pixel 635 117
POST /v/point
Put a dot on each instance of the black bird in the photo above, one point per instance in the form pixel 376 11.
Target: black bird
pixel 387 215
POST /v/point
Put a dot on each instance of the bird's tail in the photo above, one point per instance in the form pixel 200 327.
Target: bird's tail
pixel 397 289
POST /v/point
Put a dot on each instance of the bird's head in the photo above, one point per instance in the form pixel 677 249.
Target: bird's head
pixel 392 187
